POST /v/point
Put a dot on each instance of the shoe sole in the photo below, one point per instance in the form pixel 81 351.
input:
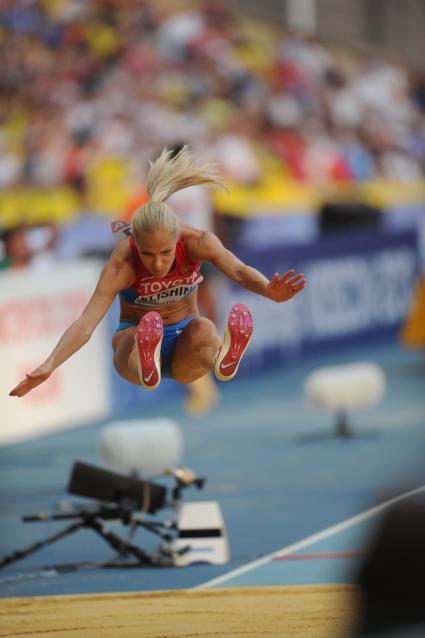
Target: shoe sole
pixel 239 328
pixel 148 338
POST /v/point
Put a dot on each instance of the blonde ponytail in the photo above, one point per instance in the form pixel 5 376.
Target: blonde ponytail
pixel 168 174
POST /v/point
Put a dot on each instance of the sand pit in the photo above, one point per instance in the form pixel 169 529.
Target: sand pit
pixel 305 611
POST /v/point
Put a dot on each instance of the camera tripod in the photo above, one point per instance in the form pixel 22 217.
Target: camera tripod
pixel 132 499
pixel 94 520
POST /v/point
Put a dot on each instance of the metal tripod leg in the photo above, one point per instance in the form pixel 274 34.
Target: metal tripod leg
pixel 118 543
pixel 88 521
pixel 23 553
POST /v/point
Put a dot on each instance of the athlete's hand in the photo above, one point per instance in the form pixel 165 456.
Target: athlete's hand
pixel 285 287
pixel 32 380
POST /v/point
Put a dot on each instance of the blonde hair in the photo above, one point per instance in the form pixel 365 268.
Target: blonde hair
pixel 167 175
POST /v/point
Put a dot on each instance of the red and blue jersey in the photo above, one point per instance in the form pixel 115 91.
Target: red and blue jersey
pixel 148 291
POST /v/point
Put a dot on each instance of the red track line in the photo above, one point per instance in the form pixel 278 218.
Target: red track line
pixel 320 555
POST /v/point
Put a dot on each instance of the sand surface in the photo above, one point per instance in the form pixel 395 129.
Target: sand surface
pixel 305 611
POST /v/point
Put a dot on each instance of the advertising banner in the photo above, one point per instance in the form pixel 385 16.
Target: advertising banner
pixel 35 309
pixel 359 289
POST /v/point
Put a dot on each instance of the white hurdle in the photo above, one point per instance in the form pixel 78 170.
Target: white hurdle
pixel 345 388
pixel 147 447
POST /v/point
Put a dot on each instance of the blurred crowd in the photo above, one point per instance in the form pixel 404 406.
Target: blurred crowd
pixel 91 91
pixel 82 81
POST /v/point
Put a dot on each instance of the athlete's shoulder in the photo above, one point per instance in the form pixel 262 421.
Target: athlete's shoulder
pixel 120 263
pixel 189 233
pixel 189 238
pixel 118 272
pixel 202 245
pixel 122 250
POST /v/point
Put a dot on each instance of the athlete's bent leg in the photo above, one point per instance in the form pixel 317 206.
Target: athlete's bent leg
pixel 237 336
pixel 137 351
pixel 126 355
pixel 149 335
pixel 200 349
pixel 195 351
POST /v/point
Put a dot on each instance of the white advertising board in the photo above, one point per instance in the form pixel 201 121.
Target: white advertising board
pixel 35 309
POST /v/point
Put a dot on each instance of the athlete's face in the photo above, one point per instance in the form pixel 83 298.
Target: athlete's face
pixel 157 252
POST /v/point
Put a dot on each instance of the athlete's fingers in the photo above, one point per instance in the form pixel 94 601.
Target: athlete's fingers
pixel 291 277
pixel 298 276
pixel 295 284
pixel 32 380
pixel 292 283
pixel 287 274
pixel 24 389
pixel 298 287
pixel 25 386
pixel 299 282
pixel 19 390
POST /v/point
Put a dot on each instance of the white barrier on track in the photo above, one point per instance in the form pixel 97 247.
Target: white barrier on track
pixel 345 388
pixel 35 309
pixel 145 446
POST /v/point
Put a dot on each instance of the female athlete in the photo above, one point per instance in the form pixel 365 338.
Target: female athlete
pixel 156 272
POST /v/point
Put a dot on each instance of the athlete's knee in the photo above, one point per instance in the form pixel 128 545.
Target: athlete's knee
pixel 123 364
pixel 203 330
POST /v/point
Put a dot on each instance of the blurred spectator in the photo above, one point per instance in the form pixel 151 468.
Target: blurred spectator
pixel 16 251
pixel 413 329
pixel 418 90
pixel 29 247
pixel 392 575
pixel 42 241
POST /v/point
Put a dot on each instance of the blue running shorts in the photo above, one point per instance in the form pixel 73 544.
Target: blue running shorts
pixel 171 334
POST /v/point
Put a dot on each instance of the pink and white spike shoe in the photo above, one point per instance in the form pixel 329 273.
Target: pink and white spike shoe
pixel 237 336
pixel 149 336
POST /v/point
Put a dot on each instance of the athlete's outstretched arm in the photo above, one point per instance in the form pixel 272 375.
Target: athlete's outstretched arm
pixel 115 276
pixel 279 288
